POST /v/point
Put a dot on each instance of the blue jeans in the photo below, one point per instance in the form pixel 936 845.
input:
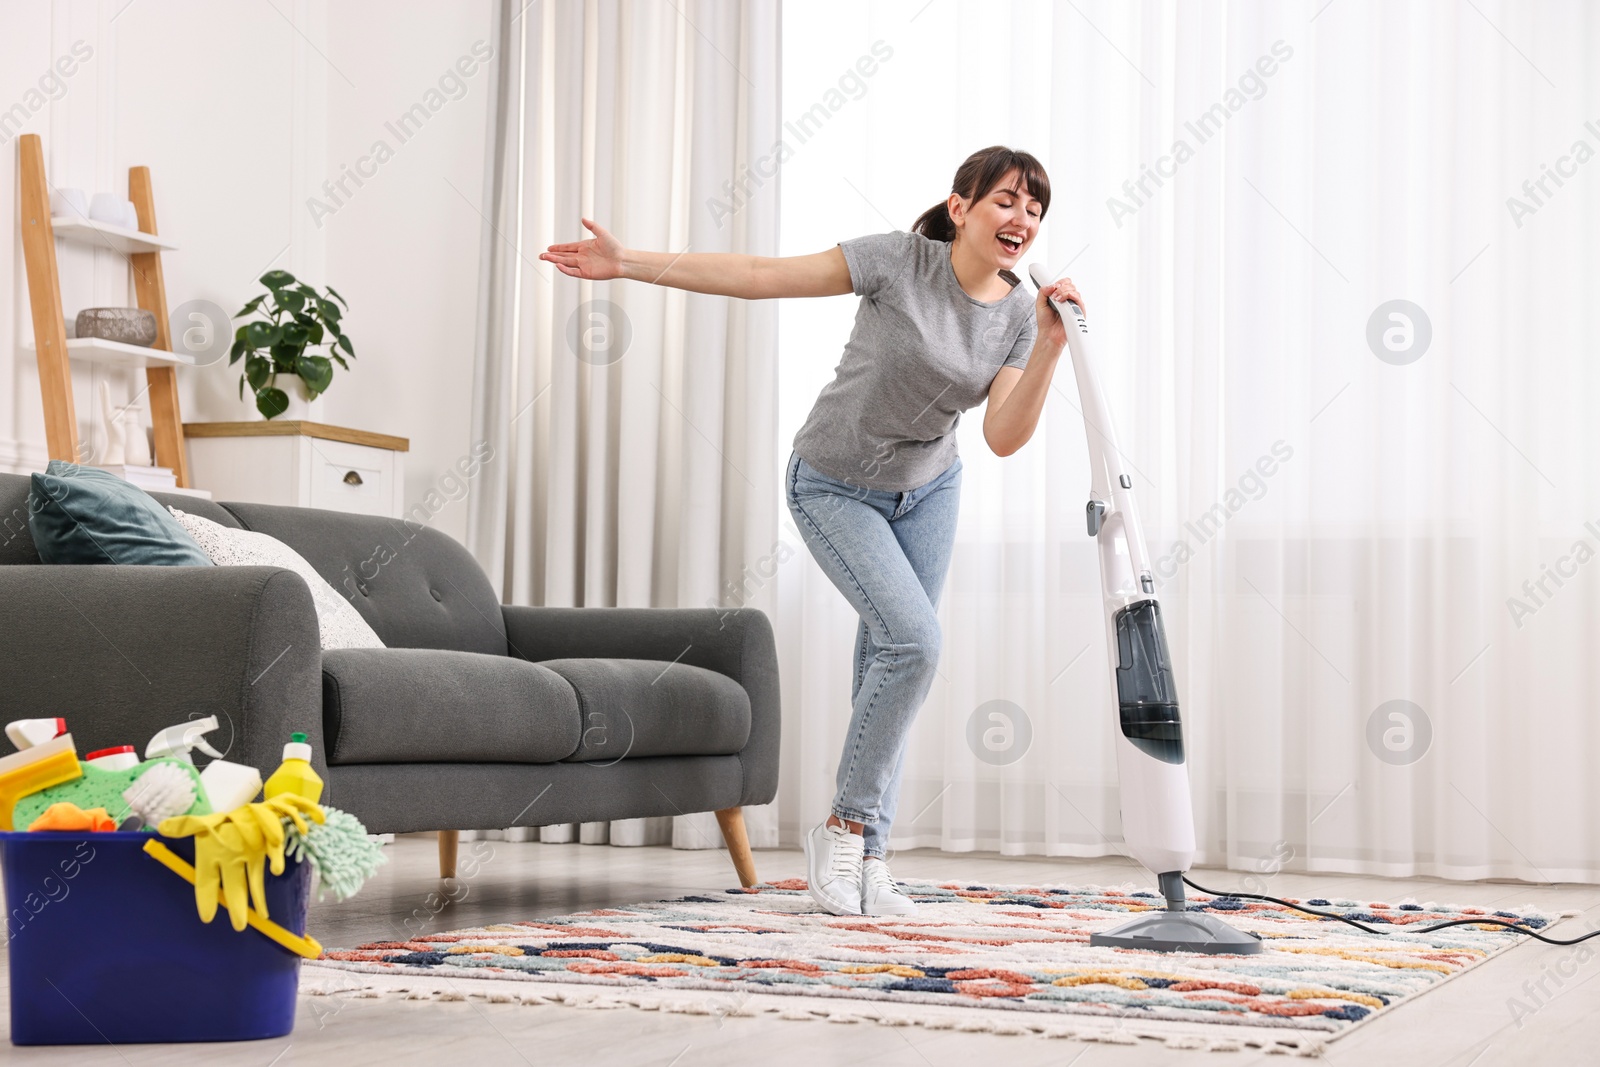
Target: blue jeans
pixel 888 553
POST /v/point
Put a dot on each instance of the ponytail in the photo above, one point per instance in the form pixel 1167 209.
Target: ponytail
pixel 936 223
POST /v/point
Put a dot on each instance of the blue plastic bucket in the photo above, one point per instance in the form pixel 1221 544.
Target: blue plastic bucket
pixel 106 947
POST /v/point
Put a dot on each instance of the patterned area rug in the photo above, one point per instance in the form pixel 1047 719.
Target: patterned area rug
pixel 1003 959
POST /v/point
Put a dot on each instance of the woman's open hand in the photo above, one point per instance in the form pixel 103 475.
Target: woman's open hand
pixel 596 259
pixel 1052 330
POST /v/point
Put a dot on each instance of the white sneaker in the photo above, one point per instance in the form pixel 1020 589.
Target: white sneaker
pixel 879 893
pixel 833 868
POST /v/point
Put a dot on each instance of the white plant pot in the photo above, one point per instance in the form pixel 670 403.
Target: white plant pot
pixel 301 406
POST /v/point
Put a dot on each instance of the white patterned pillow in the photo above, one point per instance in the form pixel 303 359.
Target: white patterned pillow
pixel 341 625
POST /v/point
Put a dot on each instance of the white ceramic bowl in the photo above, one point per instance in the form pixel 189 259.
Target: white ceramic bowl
pixel 107 207
pixel 72 203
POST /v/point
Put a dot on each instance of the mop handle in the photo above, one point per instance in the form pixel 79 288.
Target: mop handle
pixel 1111 487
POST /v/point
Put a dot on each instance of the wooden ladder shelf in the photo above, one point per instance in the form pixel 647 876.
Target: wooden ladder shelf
pixel 49 321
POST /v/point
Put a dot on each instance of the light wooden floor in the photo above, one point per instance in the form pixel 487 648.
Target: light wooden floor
pixel 1467 1023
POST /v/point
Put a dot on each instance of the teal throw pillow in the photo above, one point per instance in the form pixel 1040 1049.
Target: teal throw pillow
pixel 83 515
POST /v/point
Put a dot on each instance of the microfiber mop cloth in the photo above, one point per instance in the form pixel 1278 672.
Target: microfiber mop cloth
pixel 339 850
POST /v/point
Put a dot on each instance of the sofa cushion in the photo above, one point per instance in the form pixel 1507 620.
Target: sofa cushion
pixel 83 515
pixel 16 540
pixel 339 624
pixel 423 705
pixel 646 707
pixel 415 586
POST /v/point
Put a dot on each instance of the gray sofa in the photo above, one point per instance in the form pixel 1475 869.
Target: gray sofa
pixel 478 714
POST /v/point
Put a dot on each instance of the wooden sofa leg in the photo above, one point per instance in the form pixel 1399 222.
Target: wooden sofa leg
pixel 448 840
pixel 732 822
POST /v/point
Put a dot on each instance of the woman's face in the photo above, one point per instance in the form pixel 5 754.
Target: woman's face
pixel 1000 226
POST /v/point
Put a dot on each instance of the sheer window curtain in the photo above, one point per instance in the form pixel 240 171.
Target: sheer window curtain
pixel 634 462
pixel 1376 532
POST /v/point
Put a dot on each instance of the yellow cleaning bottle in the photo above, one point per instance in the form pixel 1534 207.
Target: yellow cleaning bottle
pixel 295 775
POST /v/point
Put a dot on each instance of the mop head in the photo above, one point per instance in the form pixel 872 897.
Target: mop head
pixel 163 791
pixel 1179 931
pixel 339 850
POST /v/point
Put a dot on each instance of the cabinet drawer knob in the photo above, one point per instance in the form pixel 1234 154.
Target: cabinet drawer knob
pixel 352 478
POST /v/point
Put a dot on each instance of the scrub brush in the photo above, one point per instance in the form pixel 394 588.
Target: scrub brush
pixel 338 849
pixel 163 791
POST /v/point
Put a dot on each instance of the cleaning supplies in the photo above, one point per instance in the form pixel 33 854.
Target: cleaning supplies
pixel 229 785
pixel 69 817
pixel 43 765
pixel 300 944
pixel 25 733
pixel 164 791
pixel 295 775
pixel 96 788
pixel 119 758
pixel 339 851
pixel 231 849
pixel 176 741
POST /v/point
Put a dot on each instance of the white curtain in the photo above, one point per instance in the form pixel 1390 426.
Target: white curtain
pixel 632 424
pixel 1378 531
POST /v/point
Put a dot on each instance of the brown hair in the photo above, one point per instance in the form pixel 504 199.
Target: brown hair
pixel 977 178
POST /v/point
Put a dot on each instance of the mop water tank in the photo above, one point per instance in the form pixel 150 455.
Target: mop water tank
pixel 1146 693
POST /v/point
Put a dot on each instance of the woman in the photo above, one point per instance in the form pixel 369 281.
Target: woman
pixel 873 483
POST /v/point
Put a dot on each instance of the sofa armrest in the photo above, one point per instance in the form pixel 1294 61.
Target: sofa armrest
pixel 122 651
pixel 737 643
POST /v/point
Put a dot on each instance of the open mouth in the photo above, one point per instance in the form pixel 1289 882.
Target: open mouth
pixel 1010 243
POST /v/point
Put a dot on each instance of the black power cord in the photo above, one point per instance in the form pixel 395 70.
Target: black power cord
pixel 1362 926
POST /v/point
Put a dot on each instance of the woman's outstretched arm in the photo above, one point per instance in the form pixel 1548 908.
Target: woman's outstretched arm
pixel 720 273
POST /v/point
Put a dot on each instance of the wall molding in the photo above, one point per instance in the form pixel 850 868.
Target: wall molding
pixel 22 457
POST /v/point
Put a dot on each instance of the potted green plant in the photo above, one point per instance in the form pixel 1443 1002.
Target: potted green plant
pixel 294 319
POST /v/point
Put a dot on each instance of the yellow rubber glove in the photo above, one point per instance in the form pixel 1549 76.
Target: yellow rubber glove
pixel 291 806
pixel 231 850
pixel 215 864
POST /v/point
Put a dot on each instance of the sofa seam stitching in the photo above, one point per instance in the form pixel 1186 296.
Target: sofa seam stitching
pixel 338 699
pixel 583 716
pixel 744 772
pixel 251 643
pixel 238 518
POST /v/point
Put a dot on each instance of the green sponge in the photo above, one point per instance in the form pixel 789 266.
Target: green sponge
pixel 102 789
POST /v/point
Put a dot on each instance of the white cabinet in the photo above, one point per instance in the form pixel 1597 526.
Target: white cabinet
pixel 306 464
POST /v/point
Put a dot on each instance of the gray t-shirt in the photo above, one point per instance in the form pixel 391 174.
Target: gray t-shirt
pixel 922 352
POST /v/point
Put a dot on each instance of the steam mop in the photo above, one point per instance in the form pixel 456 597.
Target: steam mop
pixel 1157 814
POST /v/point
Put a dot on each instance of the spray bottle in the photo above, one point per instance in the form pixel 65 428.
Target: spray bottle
pixel 295 775
pixel 227 785
pixel 25 733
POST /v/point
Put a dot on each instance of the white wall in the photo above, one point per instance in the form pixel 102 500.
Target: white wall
pixel 242 111
pixel 404 248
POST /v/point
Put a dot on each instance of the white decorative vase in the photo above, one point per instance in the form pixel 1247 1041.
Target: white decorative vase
pixel 123 431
